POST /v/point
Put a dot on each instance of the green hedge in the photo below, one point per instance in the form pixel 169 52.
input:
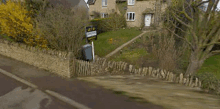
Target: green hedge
pixel 114 22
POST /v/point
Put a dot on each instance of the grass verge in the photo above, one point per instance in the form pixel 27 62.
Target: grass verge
pixel 136 54
pixel 211 65
pixel 109 41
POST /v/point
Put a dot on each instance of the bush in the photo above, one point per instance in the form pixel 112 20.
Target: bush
pixel 64 28
pixel 35 6
pixel 14 20
pixel 15 23
pixel 114 22
pixel 97 23
pixel 210 82
pixel 165 51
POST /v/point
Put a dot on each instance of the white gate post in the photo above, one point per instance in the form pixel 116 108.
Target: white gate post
pixel 93 52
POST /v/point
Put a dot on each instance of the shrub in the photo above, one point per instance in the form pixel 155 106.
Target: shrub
pixel 114 22
pixel 64 28
pixel 97 23
pixel 14 20
pixel 165 51
pixel 210 82
pixel 15 23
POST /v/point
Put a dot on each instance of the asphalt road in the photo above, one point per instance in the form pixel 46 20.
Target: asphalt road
pixel 87 94
pixel 15 95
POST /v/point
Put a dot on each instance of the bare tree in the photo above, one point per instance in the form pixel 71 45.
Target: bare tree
pixel 63 28
pixel 198 27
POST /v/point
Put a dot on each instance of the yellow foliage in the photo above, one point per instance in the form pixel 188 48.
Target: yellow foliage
pixel 15 22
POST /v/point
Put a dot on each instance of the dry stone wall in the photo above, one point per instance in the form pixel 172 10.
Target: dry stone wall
pixel 53 61
pixel 61 63
pixel 123 67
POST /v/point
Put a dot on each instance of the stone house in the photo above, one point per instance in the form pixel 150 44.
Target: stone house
pixel 139 13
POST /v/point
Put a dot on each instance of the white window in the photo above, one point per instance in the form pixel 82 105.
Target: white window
pixel 104 15
pixel 92 16
pixel 131 2
pixel 130 16
pixel 104 2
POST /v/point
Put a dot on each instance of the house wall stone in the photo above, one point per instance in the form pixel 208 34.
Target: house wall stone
pixel 139 8
pixel 97 7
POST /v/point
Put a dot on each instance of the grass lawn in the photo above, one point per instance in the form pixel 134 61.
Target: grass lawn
pixel 103 45
pixel 135 54
pixel 212 65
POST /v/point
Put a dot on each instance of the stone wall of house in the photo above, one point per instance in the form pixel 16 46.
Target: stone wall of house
pixel 53 61
pixel 97 7
pixel 139 8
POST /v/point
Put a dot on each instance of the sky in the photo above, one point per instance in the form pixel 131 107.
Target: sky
pixel 217 6
pixel 86 2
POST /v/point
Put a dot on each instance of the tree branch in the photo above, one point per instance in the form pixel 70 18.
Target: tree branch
pixel 211 44
pixel 186 15
pixel 216 52
pixel 213 31
pixel 177 26
pixel 179 20
pixel 209 48
pixel 181 38
pixel 201 3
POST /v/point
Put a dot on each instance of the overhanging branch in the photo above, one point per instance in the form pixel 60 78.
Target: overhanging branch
pixel 176 26
pixel 185 14
pixel 201 3
pixel 216 52
pixel 179 20
pixel 181 38
pixel 210 44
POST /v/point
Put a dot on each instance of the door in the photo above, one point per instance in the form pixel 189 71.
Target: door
pixel 147 19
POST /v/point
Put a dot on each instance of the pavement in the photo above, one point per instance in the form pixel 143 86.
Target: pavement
pixel 74 92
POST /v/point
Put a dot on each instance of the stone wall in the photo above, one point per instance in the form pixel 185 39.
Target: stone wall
pixel 53 61
pixel 61 63
pixel 103 67
pixel 97 7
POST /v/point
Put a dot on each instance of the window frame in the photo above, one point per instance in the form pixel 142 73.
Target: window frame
pixel 130 2
pixel 128 16
pixel 104 15
pixel 104 3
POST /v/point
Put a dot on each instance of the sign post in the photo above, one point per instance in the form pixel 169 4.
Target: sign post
pixel 91 34
pixel 93 52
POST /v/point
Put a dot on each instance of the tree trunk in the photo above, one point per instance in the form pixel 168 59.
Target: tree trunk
pixel 194 65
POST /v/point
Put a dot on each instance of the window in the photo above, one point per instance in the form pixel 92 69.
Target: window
pixel 92 16
pixel 104 2
pixel 104 15
pixel 130 16
pixel 131 2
